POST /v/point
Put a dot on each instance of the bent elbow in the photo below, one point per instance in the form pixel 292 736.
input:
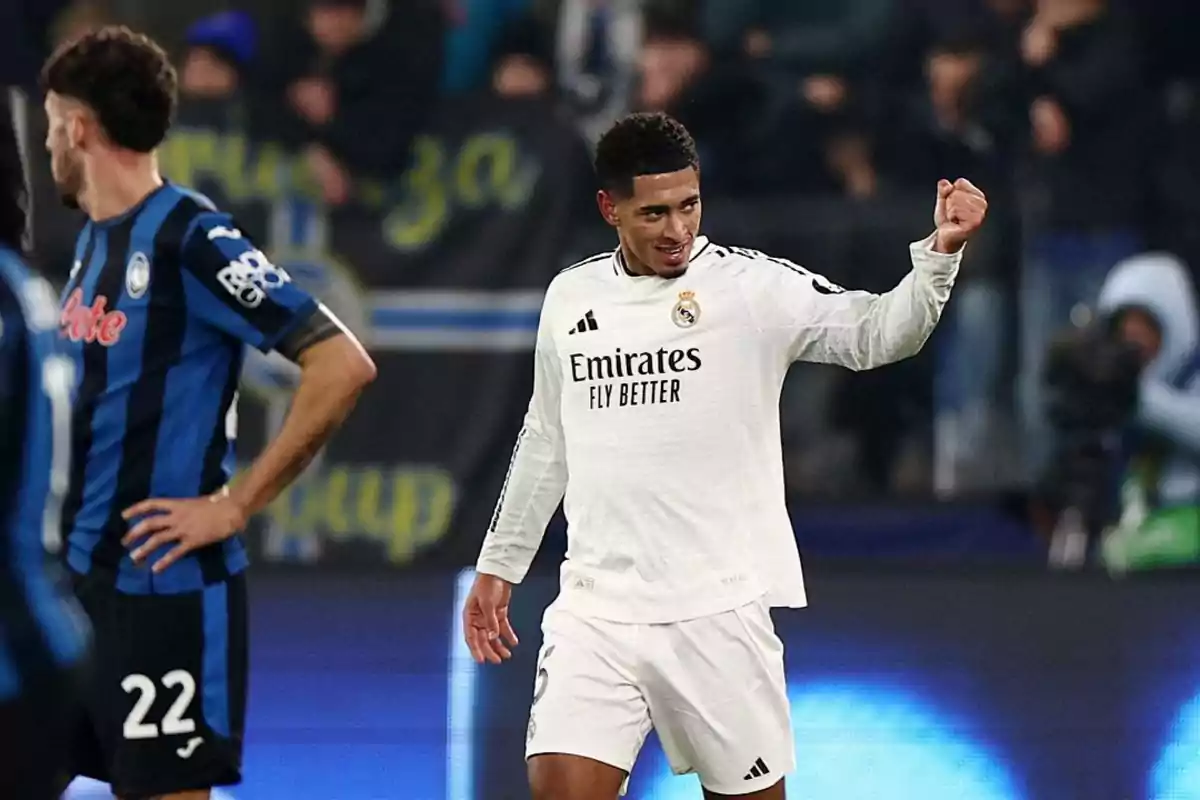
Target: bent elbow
pixel 357 372
pixel 364 371
pixel 341 360
pixel 911 348
pixel 882 351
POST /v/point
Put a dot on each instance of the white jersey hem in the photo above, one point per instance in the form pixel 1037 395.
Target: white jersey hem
pixel 585 603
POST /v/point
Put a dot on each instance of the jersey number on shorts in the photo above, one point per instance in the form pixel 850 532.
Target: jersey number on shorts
pixel 539 684
pixel 173 722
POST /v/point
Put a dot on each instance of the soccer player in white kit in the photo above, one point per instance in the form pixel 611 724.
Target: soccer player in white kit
pixel 655 411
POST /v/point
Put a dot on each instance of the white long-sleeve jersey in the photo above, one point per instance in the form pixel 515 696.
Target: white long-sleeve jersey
pixel 655 411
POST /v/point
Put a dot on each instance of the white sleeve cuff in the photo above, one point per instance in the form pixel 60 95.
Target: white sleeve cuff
pixel 924 256
pixel 502 571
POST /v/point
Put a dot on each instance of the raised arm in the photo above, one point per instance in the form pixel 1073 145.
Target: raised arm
pixel 815 320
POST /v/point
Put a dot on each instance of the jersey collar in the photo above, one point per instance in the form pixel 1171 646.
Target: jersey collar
pixel 618 258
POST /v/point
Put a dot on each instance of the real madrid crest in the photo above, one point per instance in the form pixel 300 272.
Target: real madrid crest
pixel 137 275
pixel 686 312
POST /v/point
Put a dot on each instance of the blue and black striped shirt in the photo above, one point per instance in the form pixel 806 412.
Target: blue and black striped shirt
pixel 41 628
pixel 160 304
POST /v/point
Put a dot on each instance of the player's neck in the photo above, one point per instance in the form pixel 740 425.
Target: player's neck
pixel 114 185
pixel 631 264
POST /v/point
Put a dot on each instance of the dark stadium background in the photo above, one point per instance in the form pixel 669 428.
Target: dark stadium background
pixel 941 657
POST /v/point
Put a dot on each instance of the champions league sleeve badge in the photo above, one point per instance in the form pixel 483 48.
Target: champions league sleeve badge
pixel 686 312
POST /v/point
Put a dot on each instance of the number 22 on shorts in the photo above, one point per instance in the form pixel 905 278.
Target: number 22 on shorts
pixel 174 722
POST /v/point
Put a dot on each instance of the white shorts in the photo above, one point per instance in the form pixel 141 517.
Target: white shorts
pixel 714 688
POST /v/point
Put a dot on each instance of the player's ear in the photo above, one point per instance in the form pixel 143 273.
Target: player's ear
pixel 84 127
pixel 77 123
pixel 608 207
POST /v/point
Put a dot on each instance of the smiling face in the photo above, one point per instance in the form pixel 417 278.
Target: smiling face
pixel 657 222
pixel 649 175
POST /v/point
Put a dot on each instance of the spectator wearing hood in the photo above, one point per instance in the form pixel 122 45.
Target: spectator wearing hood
pixel 1150 299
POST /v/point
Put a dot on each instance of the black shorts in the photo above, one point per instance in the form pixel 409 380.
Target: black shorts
pixel 164 709
pixel 35 730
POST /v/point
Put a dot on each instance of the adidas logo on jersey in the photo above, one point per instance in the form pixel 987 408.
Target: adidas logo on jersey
pixel 757 771
pixel 588 323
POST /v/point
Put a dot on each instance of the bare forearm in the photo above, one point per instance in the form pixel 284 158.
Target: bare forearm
pixel 322 402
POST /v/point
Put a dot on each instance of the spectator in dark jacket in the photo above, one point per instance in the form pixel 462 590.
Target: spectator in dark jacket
pixel 26 26
pixel 968 121
pixel 820 54
pixel 355 89
pixel 1089 159
pixel 1088 116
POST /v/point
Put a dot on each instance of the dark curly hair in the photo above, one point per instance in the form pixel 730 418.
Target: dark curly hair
pixel 642 144
pixel 14 194
pixel 122 76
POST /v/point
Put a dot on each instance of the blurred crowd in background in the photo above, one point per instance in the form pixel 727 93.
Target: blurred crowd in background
pixel 823 126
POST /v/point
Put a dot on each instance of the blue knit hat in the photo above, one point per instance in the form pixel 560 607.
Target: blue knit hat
pixel 233 33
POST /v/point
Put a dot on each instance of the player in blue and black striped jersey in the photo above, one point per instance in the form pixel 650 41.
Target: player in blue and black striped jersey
pixel 43 635
pixel 164 294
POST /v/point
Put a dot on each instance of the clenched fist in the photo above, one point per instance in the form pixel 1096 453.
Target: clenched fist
pixel 959 212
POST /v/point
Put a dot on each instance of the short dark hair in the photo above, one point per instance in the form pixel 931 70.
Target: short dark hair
pixel 14 193
pixel 642 144
pixel 124 77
